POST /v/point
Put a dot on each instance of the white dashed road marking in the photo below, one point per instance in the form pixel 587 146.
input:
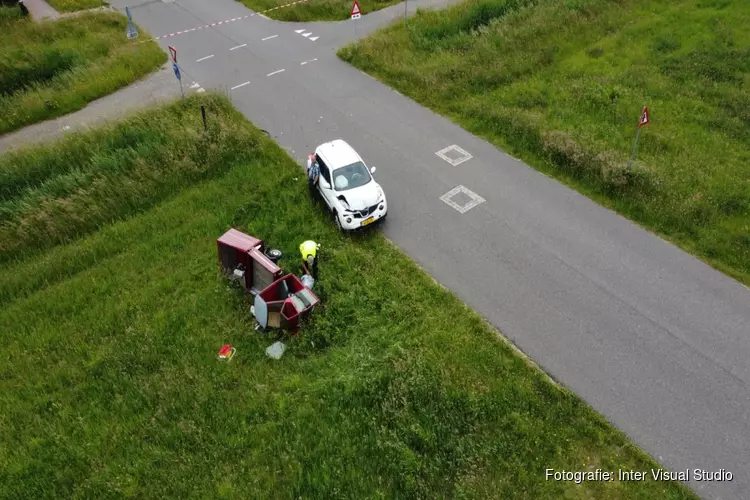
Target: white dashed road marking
pixel 196 85
pixel 459 155
pixel 298 31
pixel 240 85
pixel 307 34
pixel 314 38
pixel 305 62
pixel 275 72
pixel 475 199
pixel 239 46
pixel 204 58
pixel 268 38
pixel 169 35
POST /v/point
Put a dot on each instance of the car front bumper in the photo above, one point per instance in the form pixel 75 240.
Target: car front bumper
pixel 349 223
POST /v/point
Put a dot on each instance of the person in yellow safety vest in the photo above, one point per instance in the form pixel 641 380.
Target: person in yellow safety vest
pixel 309 250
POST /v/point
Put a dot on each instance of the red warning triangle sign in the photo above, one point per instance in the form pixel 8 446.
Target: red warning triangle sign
pixel 644 117
pixel 355 9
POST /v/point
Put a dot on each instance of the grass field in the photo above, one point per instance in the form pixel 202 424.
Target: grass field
pixel 110 386
pixel 561 83
pixel 75 5
pixel 314 10
pixel 52 68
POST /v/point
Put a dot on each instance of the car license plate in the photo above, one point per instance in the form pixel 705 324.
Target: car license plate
pixel 368 221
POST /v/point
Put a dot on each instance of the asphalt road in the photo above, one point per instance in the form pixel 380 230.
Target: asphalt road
pixel 651 337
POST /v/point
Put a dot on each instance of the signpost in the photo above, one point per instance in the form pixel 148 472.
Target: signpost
pixel 356 14
pixel 179 77
pixel 175 67
pixel 642 122
pixel 131 32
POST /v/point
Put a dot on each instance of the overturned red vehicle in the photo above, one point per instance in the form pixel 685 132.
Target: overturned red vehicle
pixel 281 301
pixel 285 303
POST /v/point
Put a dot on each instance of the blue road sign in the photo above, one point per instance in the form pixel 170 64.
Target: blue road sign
pixel 177 71
pixel 127 11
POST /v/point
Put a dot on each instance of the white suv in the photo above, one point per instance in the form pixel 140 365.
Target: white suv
pixel 347 186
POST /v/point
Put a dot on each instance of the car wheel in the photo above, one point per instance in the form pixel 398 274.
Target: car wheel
pixel 274 254
pixel 337 222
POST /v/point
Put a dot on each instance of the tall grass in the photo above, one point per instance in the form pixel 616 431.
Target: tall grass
pixel 52 68
pixel 75 5
pixel 77 186
pixel 314 10
pixel 10 15
pixel 562 84
pixel 109 384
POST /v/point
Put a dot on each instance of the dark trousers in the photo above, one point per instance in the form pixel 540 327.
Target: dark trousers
pixel 313 189
pixel 314 269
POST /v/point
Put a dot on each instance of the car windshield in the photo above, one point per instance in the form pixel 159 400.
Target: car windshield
pixel 351 176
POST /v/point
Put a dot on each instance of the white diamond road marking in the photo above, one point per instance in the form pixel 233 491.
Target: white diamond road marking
pixel 465 156
pixel 475 199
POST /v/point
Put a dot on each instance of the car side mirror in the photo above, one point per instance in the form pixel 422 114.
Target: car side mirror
pixel 324 183
pixel 372 170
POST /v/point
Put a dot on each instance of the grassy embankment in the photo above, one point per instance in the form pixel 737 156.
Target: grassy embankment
pixel 314 10
pixel 75 5
pixel 562 83
pixel 113 309
pixel 52 68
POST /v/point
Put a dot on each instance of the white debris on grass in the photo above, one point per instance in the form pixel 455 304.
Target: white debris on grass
pixel 276 350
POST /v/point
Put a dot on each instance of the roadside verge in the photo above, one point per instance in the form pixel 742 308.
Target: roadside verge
pixel 395 387
pixel 562 85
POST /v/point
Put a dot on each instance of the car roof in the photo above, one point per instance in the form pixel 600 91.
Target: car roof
pixel 337 153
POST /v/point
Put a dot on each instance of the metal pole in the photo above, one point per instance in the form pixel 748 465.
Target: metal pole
pixel 356 40
pixel 406 3
pixel 182 91
pixel 203 113
pixel 632 154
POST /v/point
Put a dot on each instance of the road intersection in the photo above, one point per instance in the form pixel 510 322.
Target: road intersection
pixel 651 337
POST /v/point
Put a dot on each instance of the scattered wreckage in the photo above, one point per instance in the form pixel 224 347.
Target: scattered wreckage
pixel 282 300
